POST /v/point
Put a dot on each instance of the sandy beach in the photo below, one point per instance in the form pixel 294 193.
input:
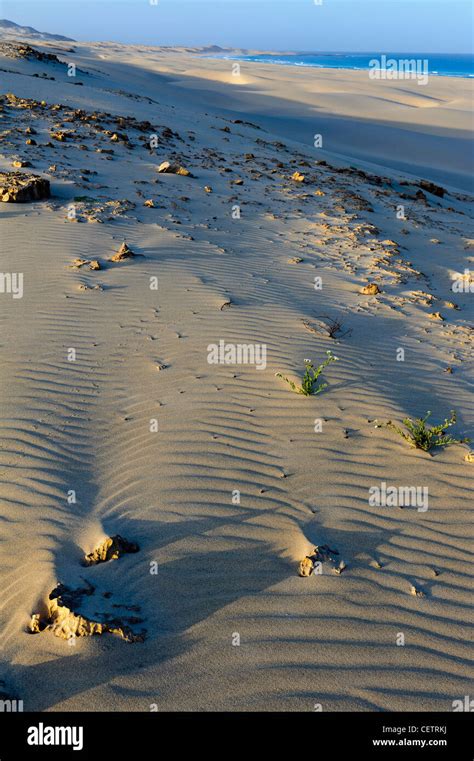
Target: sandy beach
pixel 115 423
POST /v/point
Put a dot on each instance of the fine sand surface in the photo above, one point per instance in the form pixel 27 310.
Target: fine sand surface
pixel 78 459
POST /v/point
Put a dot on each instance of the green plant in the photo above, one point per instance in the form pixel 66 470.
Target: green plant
pixel 309 384
pixel 421 436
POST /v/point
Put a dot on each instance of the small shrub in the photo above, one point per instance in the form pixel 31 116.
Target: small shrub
pixel 330 327
pixel 309 384
pixel 421 436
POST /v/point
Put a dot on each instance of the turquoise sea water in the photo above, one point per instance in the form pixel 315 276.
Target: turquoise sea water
pixel 451 65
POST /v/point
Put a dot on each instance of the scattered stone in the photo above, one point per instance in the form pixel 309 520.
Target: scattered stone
pixel 469 457
pixel 92 264
pixel 416 592
pixel 208 189
pixel 149 203
pixel 436 316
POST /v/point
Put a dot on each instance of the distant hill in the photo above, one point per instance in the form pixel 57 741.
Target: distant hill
pixel 11 29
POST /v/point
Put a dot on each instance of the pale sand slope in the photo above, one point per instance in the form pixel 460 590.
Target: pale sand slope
pixel 227 568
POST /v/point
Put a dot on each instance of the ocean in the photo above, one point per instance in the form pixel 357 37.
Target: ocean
pixel 449 64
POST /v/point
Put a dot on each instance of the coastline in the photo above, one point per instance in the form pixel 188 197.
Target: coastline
pixel 283 59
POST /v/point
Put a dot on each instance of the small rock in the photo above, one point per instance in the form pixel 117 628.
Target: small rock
pixel 122 254
pixel 92 264
pixel 306 567
pixel 298 177
pixel 167 168
pixel 371 289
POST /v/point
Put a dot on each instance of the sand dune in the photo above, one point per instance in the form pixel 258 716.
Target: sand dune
pixel 235 486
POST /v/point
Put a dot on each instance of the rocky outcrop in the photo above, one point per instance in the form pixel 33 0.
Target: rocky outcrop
pixel 111 549
pixel 61 618
pixel 22 50
pixel 16 187
pixel 430 187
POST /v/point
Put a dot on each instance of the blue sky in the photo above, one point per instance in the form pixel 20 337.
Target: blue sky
pixel 443 26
